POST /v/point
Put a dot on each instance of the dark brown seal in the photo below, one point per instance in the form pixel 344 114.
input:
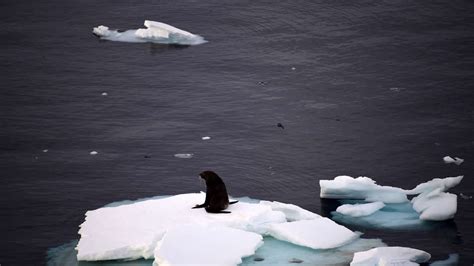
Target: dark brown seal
pixel 217 199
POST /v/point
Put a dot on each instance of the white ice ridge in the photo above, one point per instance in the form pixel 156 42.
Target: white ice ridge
pixel 432 202
pixel 155 32
pixel 346 187
pixel 390 256
pixel 140 229
pixel 358 210
pixel 202 245
pixel 455 160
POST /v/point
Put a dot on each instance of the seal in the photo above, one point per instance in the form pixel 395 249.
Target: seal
pixel 217 199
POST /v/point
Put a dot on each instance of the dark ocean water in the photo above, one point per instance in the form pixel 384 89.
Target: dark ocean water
pixel 376 88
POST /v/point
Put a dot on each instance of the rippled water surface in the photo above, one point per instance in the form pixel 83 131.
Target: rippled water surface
pixel 376 88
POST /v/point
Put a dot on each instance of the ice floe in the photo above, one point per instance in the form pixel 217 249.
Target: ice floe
pixel 155 32
pixel 358 210
pixel 432 203
pixel 202 245
pixel 93 153
pixel 455 160
pixel 146 228
pixel 184 155
pixel 390 256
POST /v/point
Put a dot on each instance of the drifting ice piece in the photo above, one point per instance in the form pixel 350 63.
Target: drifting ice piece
pixel 346 187
pixel 321 233
pixel 200 245
pixel 132 231
pixel 292 212
pixel 358 210
pixel 456 160
pixel 156 32
pixel 435 205
pixel 390 256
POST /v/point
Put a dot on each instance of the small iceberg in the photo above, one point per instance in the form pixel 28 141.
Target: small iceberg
pixel 433 203
pixel 390 256
pixel 455 160
pixel 155 32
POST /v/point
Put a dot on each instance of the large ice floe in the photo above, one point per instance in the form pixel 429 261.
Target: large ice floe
pixel 171 232
pixel 155 32
pixel 390 256
pixel 432 202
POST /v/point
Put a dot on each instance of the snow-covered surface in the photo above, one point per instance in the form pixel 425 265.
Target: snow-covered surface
pixel 358 210
pixel 455 160
pixel 346 187
pixel 432 202
pixel 134 230
pixel 390 256
pixel 320 233
pixel 202 245
pixel 291 211
pixel 156 32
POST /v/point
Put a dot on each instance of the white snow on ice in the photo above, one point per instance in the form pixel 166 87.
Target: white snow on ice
pixel 138 230
pixel 202 245
pixel 320 233
pixel 291 211
pixel 155 32
pixel 390 256
pixel 358 210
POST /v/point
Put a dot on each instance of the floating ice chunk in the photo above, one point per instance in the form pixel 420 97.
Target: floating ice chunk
pixel 184 155
pixel 104 94
pixel 358 210
pixel 93 153
pixel 45 150
pixel 292 212
pixel 320 233
pixel 435 205
pixel 105 234
pixel 201 245
pixel 156 32
pixel 390 256
pixel 206 138
pixel 392 216
pixel 346 187
pixel 456 160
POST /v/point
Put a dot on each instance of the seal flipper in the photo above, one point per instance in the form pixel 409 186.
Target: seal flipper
pixel 215 210
pixel 200 206
pixel 232 202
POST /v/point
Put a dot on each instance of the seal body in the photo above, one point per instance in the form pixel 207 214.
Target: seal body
pixel 217 199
